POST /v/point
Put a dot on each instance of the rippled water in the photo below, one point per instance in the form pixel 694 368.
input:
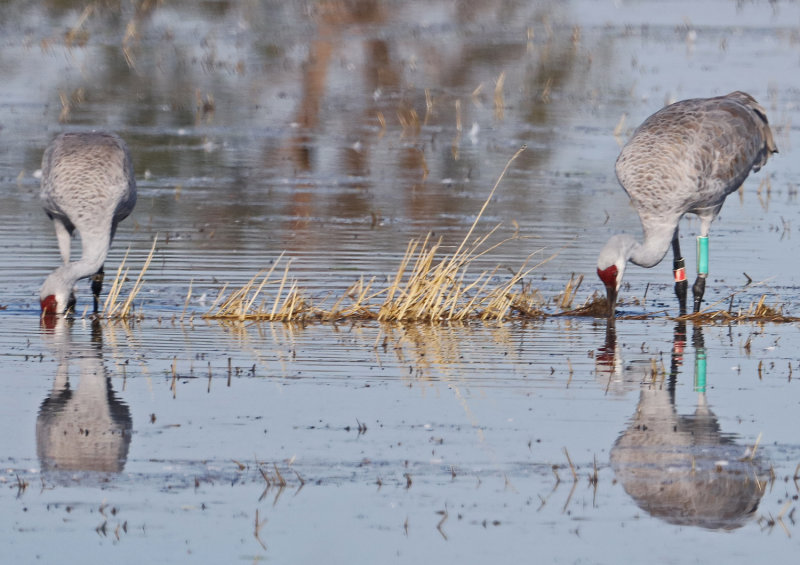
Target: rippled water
pixel 334 133
pixel 377 444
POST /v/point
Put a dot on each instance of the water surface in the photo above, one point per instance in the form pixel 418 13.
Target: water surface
pixel 335 133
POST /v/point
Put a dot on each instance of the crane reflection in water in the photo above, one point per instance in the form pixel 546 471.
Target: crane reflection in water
pixel 681 468
pixel 84 427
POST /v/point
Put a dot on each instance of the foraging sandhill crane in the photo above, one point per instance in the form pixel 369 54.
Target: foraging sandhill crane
pixel 88 185
pixel 685 158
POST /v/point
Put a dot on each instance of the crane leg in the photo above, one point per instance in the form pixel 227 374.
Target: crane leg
pixel 679 270
pixel 699 287
pixel 97 287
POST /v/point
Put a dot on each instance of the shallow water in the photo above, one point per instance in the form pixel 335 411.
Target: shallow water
pixel 331 132
pixel 375 443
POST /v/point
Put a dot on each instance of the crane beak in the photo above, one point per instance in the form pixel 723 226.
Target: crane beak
pixel 611 295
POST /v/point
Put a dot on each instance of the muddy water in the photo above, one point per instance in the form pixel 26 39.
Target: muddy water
pixel 335 133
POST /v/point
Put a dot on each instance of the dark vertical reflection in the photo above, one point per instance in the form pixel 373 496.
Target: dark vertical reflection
pixel 82 427
pixel 676 359
pixel 699 359
pixel 683 468
pixel 607 356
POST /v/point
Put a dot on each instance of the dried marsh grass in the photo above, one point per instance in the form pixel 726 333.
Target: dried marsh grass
pixel 255 301
pixel 596 306
pixel 426 288
pixel 115 307
pixel 428 285
pixel 758 311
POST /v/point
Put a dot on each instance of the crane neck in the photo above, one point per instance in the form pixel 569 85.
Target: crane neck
pixel 86 267
pixel 93 254
pixel 655 245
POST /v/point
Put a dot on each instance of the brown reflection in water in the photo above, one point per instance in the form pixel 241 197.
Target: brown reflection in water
pixel 162 71
pixel 608 359
pixel 683 468
pixel 335 21
pixel 458 67
pixel 86 428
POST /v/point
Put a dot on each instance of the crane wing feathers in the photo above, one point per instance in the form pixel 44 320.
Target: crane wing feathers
pixel 690 155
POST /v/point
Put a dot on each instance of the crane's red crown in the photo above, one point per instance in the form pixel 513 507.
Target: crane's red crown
pixel 608 276
pixel 49 305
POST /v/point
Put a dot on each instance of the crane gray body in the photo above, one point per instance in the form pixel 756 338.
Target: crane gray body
pixel 686 158
pixel 88 186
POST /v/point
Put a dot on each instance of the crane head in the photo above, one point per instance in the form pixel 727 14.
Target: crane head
pixel 49 305
pixel 609 278
pixel 611 266
pixel 57 295
pixel 53 304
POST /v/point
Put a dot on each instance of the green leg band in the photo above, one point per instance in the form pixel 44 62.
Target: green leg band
pixel 702 255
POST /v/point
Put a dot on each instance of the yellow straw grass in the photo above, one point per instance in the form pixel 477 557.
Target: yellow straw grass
pixel 424 288
pixel 113 306
pixel 284 306
pixel 597 306
pixel 758 311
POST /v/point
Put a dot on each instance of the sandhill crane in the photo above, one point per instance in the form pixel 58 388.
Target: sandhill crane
pixel 685 158
pixel 88 185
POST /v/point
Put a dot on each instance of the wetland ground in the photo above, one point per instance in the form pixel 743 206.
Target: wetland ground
pixel 334 132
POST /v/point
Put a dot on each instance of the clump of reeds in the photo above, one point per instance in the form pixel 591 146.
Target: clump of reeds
pixel 115 307
pixel 253 302
pixel 425 287
pixel 596 306
pixel 528 301
pixel 758 311
pixel 762 310
pixel 566 298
